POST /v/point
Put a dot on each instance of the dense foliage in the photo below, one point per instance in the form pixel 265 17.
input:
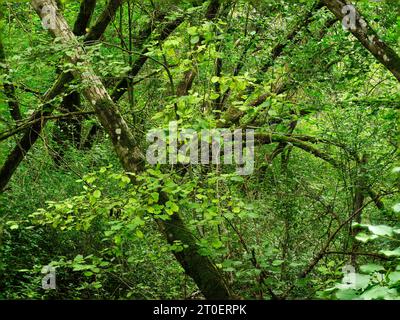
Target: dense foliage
pixel 324 193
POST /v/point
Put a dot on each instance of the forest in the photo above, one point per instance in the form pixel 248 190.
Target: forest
pixel 192 150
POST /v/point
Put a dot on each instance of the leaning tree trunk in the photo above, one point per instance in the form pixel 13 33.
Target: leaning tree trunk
pixel 200 268
pixel 32 133
pixel 367 36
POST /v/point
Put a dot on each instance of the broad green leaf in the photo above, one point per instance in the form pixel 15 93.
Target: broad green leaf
pixel 394 277
pixel 381 230
pixel 277 263
pixel 396 208
pixel 362 281
pixel 139 234
pixel 14 226
pixel 363 237
pixel 97 194
pixel 391 253
pixel 371 267
pixel 379 293
pixel 346 294
pixel 195 39
pixel 192 31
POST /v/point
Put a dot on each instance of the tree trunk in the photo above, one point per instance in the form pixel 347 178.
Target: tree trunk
pixel 32 133
pixel 9 89
pixel 69 130
pixel 358 204
pixel 200 268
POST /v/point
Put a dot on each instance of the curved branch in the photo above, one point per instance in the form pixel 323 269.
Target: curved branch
pixel 268 138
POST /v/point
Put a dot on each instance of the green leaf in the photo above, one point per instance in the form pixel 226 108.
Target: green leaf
pixel 195 39
pixel 277 263
pixel 217 244
pixel 381 230
pixel 391 253
pixel 95 269
pixel 108 233
pixel 394 277
pixel 139 234
pixel 78 258
pixel 97 285
pixel 371 267
pixel 379 293
pixel 155 196
pixel 125 179
pixel 192 31
pixel 237 179
pixel 14 226
pixel 214 96
pixel 362 281
pixel 346 294
pixel 236 210
pixel 171 207
pixel 97 194
pixel 363 237
pixel 396 208
pixel 396 170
